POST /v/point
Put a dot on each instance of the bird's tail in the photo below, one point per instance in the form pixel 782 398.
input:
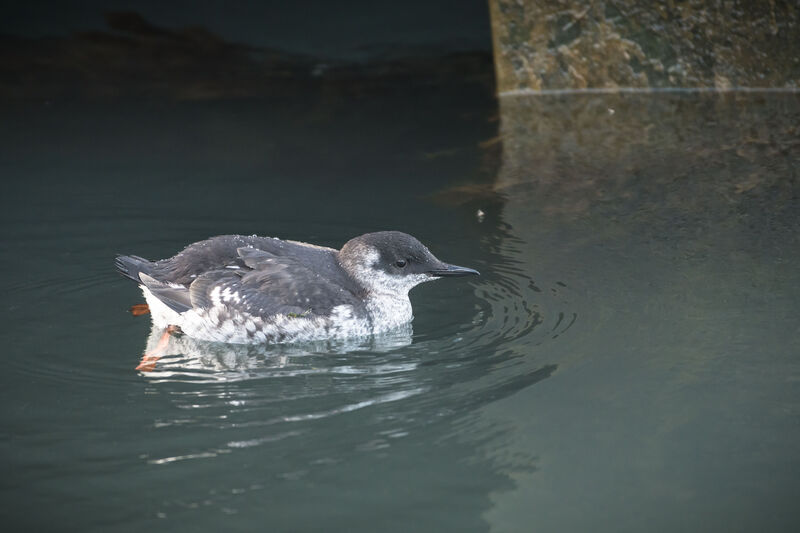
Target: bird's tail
pixel 131 266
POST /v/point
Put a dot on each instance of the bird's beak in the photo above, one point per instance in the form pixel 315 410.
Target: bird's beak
pixel 452 270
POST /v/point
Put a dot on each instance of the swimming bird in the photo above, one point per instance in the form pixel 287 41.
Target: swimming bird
pixel 249 289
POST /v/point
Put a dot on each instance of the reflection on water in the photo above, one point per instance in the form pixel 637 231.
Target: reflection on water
pixel 674 219
pixel 184 357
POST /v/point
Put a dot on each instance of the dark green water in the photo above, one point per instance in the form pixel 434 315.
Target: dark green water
pixel 628 361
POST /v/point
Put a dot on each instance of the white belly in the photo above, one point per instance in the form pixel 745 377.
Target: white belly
pixel 224 324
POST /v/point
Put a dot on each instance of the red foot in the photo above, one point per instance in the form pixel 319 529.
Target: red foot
pixel 149 359
pixel 148 363
pixel 139 309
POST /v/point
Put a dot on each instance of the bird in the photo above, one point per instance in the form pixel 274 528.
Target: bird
pixel 242 289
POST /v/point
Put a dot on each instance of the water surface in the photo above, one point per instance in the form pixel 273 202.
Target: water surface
pixel 627 360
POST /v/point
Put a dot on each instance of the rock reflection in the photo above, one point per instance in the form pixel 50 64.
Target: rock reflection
pixel 672 221
pixel 639 155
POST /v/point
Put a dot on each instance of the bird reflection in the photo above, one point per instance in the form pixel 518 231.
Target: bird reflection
pixel 168 352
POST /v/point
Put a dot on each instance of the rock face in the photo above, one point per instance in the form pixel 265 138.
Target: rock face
pixel 580 44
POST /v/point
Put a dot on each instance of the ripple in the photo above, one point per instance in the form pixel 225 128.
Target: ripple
pixel 491 343
pixel 494 344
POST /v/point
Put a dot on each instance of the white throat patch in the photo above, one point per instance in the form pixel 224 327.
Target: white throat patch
pixel 367 272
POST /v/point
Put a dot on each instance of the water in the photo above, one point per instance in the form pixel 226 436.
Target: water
pixel 627 361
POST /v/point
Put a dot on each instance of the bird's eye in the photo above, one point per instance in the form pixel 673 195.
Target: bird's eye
pixel 400 263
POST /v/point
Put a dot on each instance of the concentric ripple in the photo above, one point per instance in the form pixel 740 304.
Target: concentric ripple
pixel 251 396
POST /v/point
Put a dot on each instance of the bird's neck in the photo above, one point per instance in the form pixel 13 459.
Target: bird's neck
pixel 389 310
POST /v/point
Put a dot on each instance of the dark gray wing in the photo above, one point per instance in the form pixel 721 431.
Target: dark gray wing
pixel 222 251
pixel 174 296
pixel 269 284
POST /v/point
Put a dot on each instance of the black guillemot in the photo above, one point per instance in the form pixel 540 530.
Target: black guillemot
pixel 249 289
